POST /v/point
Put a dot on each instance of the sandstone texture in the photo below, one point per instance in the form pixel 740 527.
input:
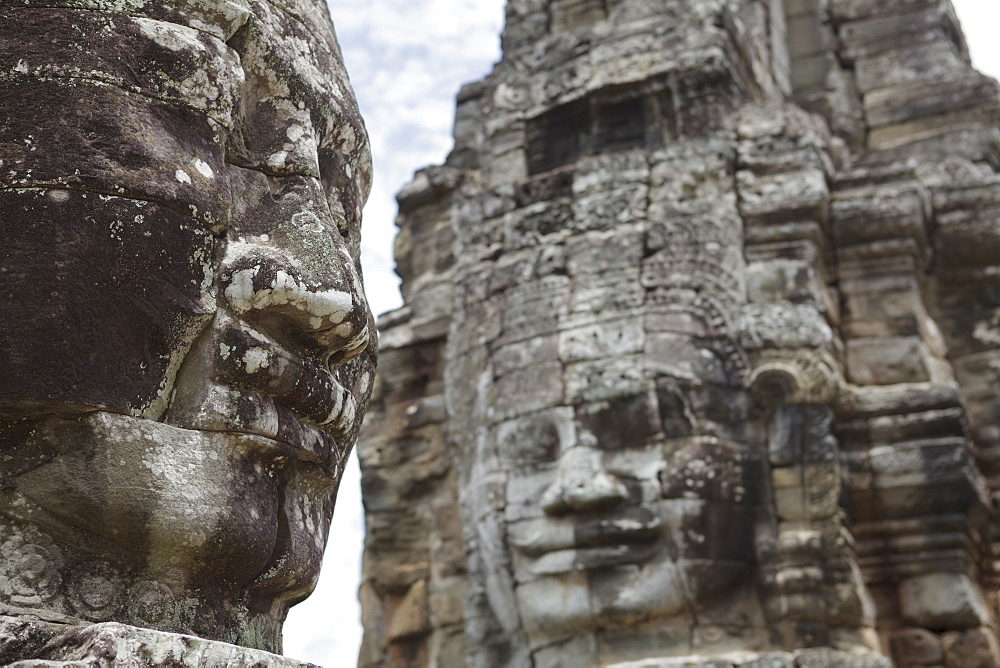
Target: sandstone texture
pixel 111 644
pixel 184 338
pixel 699 354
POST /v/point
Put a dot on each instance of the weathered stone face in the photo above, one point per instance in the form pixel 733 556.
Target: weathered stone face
pixel 631 497
pixel 185 351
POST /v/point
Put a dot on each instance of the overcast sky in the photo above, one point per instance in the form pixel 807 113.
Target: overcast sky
pixel 407 60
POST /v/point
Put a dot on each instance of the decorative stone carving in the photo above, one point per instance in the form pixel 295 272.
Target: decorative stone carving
pixel 186 352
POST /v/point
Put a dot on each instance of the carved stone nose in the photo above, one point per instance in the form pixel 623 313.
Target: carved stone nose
pixel 324 314
pixel 581 483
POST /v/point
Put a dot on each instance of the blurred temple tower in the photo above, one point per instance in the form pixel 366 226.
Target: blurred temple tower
pixel 699 362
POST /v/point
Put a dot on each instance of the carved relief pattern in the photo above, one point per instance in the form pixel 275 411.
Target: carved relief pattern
pixel 30 573
pixel 37 576
pixel 96 591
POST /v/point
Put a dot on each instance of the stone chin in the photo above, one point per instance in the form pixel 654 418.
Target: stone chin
pixel 615 589
pixel 575 603
pixel 214 534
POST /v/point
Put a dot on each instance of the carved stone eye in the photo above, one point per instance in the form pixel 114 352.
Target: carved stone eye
pixel 621 422
pixel 710 469
pixel 530 441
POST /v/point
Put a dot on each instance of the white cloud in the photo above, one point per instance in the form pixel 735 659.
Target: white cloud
pixel 326 629
pixel 407 61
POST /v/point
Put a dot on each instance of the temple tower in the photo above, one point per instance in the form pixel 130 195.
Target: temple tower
pixel 699 353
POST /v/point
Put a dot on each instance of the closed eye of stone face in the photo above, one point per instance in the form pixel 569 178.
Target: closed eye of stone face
pixel 530 442
pixel 344 183
pixel 622 422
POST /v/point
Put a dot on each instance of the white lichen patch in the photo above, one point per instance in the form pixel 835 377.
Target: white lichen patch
pixel 344 330
pixel 182 177
pixel 201 89
pixel 294 132
pixel 21 67
pixel 330 306
pixel 272 84
pixel 204 169
pixel 219 19
pixel 366 382
pixel 170 35
pixel 256 359
pixel 203 258
pixel 277 159
pixel 115 227
pixel 240 291
pixel 205 75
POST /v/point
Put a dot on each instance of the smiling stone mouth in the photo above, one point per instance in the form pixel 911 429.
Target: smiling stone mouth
pixel 602 544
pixel 304 386
pixel 263 389
pixel 621 532
pixel 311 442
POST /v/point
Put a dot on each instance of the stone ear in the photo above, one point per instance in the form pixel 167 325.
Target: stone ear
pixel 795 377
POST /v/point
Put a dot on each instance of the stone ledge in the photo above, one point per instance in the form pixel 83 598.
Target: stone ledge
pixel 804 658
pixel 34 644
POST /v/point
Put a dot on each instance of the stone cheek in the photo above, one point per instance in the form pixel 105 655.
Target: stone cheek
pixel 133 278
pixel 31 574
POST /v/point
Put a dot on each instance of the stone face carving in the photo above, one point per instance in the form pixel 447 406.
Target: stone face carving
pixel 695 363
pixel 185 347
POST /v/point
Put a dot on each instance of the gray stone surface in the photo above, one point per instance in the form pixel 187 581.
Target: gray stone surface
pixel 111 644
pixel 186 352
pixel 697 363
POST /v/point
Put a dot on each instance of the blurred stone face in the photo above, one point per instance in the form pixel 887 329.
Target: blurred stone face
pixel 619 478
pixel 632 514
pixel 618 473
pixel 184 337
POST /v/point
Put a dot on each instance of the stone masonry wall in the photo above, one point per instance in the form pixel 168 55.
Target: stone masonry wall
pixel 707 294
